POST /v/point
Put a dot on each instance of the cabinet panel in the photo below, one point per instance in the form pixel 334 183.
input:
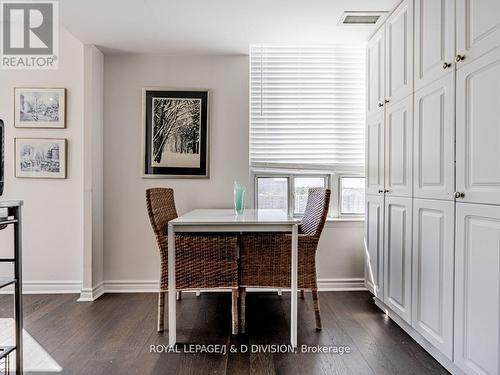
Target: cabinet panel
pixel 478 129
pixel 478 28
pixel 375 77
pixel 434 40
pixel 397 255
pixel 374 237
pixel 434 135
pixel 433 264
pixel 375 154
pixel 399 148
pixel 477 298
pixel 399 52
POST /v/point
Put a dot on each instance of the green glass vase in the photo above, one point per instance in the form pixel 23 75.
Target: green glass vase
pixel 239 198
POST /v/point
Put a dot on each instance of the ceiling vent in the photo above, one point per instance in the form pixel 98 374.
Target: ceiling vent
pixel 362 18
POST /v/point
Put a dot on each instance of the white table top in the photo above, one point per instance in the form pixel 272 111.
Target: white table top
pixel 229 217
pixel 226 220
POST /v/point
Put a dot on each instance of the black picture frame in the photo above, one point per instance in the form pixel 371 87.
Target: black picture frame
pixel 151 168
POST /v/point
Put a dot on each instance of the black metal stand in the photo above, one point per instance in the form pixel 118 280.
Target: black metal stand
pixel 14 218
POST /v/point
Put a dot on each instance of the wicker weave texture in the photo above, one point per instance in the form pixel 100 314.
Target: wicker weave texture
pixel 202 261
pixel 265 259
pixel 316 211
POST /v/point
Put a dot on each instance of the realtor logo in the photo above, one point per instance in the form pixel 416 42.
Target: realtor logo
pixel 30 34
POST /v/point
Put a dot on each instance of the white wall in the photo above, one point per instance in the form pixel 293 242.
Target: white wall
pixel 93 251
pixel 53 211
pixel 340 257
pixel 95 228
pixel 131 257
pixel 130 250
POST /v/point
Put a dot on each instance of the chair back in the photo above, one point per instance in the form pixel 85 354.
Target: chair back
pixel 316 211
pixel 161 209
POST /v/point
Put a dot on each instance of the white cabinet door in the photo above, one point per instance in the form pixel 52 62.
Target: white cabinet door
pixel 477 289
pixel 478 28
pixel 434 140
pixel 397 255
pixel 374 240
pixel 399 148
pixel 433 264
pixel 478 129
pixel 375 154
pixel 375 77
pixel 434 40
pixel 399 52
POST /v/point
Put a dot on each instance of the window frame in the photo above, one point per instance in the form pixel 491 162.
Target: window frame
pixel 327 183
pixel 255 178
pixel 331 179
pixel 340 200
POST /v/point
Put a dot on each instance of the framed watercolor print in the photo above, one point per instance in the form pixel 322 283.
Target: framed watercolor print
pixel 39 108
pixel 40 157
pixel 175 133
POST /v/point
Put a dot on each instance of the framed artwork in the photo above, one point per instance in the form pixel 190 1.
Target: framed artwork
pixel 175 133
pixel 39 108
pixel 40 157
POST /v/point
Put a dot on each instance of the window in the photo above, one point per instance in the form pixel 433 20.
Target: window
pixel 301 190
pixel 272 192
pixel 287 192
pixel 352 195
pixel 307 125
pixel 307 107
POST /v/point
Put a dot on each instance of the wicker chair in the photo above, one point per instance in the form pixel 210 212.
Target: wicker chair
pixel 265 259
pixel 201 261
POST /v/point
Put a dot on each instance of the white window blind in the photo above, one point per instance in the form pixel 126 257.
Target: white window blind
pixel 307 106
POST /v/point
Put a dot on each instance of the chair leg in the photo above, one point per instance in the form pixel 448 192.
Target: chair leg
pixel 316 309
pixel 302 294
pixel 234 310
pixel 178 295
pixel 242 301
pixel 161 310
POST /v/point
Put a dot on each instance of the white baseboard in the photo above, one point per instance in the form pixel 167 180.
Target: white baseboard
pixel 131 286
pixel 151 286
pixel 147 286
pixel 47 287
pixel 91 294
pixel 337 285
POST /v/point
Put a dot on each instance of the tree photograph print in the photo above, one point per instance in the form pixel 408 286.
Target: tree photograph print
pixel 176 132
pixel 176 124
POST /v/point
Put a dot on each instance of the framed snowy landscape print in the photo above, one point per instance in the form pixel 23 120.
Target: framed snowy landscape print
pixel 175 133
pixel 40 108
pixel 40 157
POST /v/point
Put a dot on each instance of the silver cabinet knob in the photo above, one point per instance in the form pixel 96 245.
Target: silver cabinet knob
pixel 387 191
pixel 386 101
pixel 380 191
pixel 446 65
pixel 459 195
pixel 459 58
pixel 380 104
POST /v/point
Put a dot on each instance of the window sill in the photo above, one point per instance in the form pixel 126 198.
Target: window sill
pixel 345 219
pixel 344 222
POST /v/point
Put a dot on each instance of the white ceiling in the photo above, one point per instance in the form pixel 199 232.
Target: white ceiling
pixel 212 26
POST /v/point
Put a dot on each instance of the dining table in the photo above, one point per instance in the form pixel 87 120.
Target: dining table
pixel 225 221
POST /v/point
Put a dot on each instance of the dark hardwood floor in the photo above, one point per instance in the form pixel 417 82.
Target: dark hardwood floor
pixel 113 336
